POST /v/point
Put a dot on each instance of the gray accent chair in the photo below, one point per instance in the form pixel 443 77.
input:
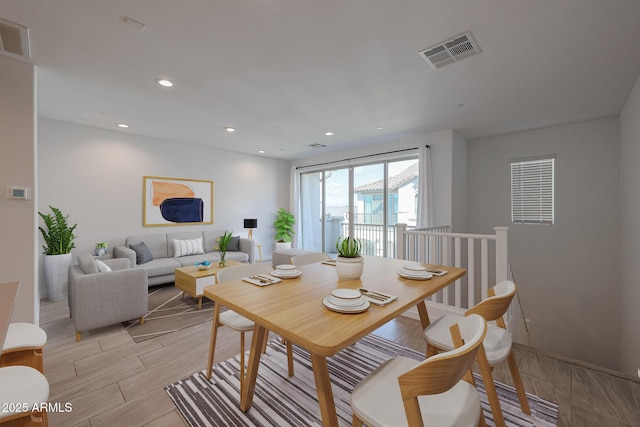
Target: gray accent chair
pixel 98 299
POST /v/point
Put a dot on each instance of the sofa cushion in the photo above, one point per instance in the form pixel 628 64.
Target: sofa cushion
pixel 237 256
pixel 234 244
pixel 86 263
pixel 180 235
pixel 161 266
pixel 156 242
pixel 211 239
pixel 102 267
pixel 187 247
pixel 143 254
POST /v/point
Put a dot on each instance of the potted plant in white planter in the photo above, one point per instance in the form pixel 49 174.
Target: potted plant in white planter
pixel 284 223
pixel 349 262
pixel 58 238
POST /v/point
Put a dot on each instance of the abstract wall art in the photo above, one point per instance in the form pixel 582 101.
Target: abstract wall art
pixel 176 201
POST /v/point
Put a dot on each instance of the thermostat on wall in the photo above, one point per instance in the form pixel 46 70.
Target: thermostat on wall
pixel 23 193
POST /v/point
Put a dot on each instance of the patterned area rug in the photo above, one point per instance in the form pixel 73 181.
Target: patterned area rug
pixel 169 311
pixel 283 401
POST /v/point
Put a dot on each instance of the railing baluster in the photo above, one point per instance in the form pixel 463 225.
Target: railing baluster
pixel 471 273
pixel 484 266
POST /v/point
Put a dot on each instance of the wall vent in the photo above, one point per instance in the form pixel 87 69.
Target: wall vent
pixel 14 39
pixel 316 145
pixel 450 51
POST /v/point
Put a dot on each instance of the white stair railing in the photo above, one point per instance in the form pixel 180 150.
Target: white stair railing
pixel 484 256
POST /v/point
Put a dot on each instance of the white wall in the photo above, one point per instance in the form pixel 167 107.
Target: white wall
pixel 630 232
pixel 95 176
pixel 18 168
pixel 568 273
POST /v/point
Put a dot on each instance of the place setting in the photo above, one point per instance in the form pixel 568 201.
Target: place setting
pixel 286 271
pixel 347 301
pixel 419 272
pixel 261 280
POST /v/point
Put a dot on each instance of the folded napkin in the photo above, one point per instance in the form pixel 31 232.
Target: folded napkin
pixel 262 281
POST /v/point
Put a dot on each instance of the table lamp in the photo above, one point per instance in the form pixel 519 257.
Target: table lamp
pixel 250 223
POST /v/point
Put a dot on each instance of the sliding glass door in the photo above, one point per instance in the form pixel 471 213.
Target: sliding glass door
pixel 364 201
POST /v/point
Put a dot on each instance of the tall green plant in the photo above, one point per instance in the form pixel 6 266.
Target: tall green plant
pixel 284 225
pixel 58 235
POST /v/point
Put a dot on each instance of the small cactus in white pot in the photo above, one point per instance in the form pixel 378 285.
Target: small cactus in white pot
pixel 349 262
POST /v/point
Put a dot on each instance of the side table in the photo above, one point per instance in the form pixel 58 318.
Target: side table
pixel 192 281
pixel 259 247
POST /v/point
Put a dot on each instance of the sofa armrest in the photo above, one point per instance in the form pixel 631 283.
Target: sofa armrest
pixel 102 299
pixel 248 246
pixel 125 252
pixel 118 263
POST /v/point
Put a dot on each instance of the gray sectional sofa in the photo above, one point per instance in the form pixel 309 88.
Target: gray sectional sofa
pixel 161 268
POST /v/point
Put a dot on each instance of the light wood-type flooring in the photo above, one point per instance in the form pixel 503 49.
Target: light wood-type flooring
pixel 111 381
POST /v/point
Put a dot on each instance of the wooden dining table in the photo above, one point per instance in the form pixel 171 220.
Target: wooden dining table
pixel 293 309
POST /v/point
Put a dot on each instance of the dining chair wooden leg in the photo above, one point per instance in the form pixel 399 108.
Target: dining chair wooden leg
pixel 517 381
pixel 356 422
pixel 290 358
pixel 214 333
pixel 242 379
pixel 481 421
pixel 431 351
pixel 490 387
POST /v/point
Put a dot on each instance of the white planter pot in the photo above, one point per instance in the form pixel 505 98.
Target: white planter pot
pixel 283 245
pixel 56 275
pixel 349 268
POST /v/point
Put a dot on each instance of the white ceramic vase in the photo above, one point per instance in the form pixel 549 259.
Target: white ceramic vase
pixel 56 275
pixel 283 245
pixel 349 268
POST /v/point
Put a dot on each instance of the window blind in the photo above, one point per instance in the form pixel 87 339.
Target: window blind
pixel 532 182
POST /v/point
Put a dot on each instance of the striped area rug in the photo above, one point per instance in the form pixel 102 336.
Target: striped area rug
pixel 283 401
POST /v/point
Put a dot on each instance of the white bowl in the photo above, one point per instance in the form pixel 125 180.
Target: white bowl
pixel 414 267
pixel 345 293
pixel 285 267
pixel 204 267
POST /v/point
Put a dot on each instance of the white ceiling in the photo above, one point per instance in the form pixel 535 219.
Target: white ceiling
pixel 285 71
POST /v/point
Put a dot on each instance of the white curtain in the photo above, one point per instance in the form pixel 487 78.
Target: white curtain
pixel 425 188
pixel 294 204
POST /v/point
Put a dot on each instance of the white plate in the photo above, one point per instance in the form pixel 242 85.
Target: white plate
pixel 287 275
pixel 285 267
pixel 342 302
pixel 415 276
pixel 341 309
pixel 345 293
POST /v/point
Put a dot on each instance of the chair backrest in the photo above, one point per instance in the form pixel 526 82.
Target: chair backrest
pixel 299 260
pixel 494 307
pixel 239 271
pixel 439 373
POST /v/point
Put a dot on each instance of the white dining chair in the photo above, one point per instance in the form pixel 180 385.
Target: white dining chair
pixel 23 346
pixel 437 391
pixel 236 321
pixel 497 346
pixel 305 259
pixel 24 392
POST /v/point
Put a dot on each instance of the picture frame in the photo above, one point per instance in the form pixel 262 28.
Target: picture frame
pixel 176 201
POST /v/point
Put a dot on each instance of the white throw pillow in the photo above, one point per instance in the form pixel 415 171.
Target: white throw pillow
pixel 187 247
pixel 102 267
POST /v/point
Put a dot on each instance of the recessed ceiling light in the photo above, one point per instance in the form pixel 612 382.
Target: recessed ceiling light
pixel 261 151
pixel 380 128
pixel 164 82
pixel 230 129
pixel 122 125
pixel 328 133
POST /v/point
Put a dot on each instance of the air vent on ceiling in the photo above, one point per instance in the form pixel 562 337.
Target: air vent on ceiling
pixel 316 145
pixel 14 39
pixel 453 50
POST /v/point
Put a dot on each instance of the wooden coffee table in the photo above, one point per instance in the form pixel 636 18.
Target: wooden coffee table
pixel 192 281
